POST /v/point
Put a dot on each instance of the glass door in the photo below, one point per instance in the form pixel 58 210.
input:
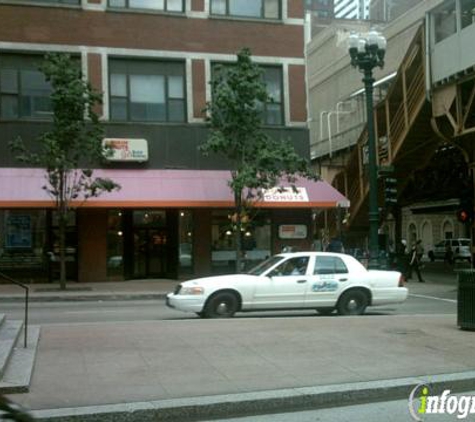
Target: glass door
pixel 150 252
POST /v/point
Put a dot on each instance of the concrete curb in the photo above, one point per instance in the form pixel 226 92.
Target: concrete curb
pixel 234 405
pixel 109 296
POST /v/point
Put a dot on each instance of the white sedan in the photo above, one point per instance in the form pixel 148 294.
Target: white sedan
pixel 304 280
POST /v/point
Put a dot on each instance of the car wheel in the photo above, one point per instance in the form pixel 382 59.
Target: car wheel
pixel 353 302
pixel 325 311
pixel 221 305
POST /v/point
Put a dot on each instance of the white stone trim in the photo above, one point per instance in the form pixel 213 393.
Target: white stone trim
pixel 128 52
pixel 294 21
pixel 100 7
pixel 207 80
pixel 105 87
pixel 286 87
pixel 195 14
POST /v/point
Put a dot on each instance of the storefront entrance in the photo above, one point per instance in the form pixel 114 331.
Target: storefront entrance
pixel 150 252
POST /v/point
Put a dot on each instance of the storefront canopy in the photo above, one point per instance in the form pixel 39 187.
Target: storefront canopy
pixel 23 188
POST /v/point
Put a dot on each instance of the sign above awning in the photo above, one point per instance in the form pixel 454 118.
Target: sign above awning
pixel 287 194
pixel 22 188
pixel 122 149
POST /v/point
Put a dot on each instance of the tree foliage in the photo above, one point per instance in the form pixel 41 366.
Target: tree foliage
pixel 235 119
pixel 72 146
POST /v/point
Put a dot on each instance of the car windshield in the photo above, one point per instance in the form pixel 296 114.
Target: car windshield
pixel 265 265
pixel 465 242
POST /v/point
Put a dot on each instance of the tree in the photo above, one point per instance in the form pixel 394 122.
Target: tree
pixel 72 145
pixel 235 118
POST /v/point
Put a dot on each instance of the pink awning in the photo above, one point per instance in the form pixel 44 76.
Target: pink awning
pixel 22 188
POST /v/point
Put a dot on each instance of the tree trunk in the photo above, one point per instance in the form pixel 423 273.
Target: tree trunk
pixel 237 232
pixel 62 221
pixel 62 250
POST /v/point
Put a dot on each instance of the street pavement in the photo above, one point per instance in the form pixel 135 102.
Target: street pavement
pixel 201 369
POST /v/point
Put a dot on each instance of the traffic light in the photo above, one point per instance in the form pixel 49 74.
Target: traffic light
pixel 390 191
pixel 465 212
pixel 463 216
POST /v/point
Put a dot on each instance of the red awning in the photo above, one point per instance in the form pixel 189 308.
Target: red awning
pixel 22 188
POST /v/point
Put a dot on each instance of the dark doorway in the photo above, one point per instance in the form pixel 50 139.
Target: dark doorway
pixel 151 247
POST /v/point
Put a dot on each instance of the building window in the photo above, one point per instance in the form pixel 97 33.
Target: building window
pixel 73 2
pixel 255 240
pixel 162 5
pixel 24 91
pixel 266 9
pixel 273 109
pixel 147 91
pixel 185 233
pixel 115 245
pixel 468 12
pixel 445 22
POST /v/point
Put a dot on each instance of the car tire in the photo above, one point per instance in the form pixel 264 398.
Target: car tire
pixel 353 302
pixel 221 305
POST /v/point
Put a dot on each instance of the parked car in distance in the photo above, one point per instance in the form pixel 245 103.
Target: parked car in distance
pixel 460 249
pixel 323 281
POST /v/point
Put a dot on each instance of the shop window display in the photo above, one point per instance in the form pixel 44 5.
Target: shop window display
pixel 256 240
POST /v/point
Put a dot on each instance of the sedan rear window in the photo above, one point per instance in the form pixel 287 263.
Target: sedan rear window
pixel 329 265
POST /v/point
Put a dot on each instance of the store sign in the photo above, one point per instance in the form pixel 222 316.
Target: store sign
pixel 292 231
pixel 287 194
pixel 120 149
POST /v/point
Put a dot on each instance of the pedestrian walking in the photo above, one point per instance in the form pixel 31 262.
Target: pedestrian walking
pixel 403 259
pixel 449 254
pixel 419 250
pixel 415 261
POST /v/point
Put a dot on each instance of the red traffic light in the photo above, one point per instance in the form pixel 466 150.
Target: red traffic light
pixel 463 216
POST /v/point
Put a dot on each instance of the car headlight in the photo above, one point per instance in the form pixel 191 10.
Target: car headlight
pixel 193 290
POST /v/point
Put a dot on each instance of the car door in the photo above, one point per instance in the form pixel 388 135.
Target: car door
pixel 329 276
pixel 284 286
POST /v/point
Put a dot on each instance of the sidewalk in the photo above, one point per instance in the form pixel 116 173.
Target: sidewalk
pixel 179 369
pixel 120 290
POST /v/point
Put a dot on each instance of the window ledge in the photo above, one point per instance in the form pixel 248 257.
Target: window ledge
pixel 26 120
pixel 40 4
pixel 145 11
pixel 250 19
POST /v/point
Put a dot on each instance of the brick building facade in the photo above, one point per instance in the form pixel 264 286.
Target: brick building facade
pixel 152 60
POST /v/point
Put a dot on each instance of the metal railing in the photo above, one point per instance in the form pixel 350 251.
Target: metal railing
pixel 27 294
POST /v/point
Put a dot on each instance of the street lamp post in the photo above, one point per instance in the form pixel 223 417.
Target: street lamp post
pixel 366 53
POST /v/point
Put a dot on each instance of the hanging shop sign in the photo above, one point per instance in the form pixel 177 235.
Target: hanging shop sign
pixel 121 149
pixel 292 231
pixel 286 194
